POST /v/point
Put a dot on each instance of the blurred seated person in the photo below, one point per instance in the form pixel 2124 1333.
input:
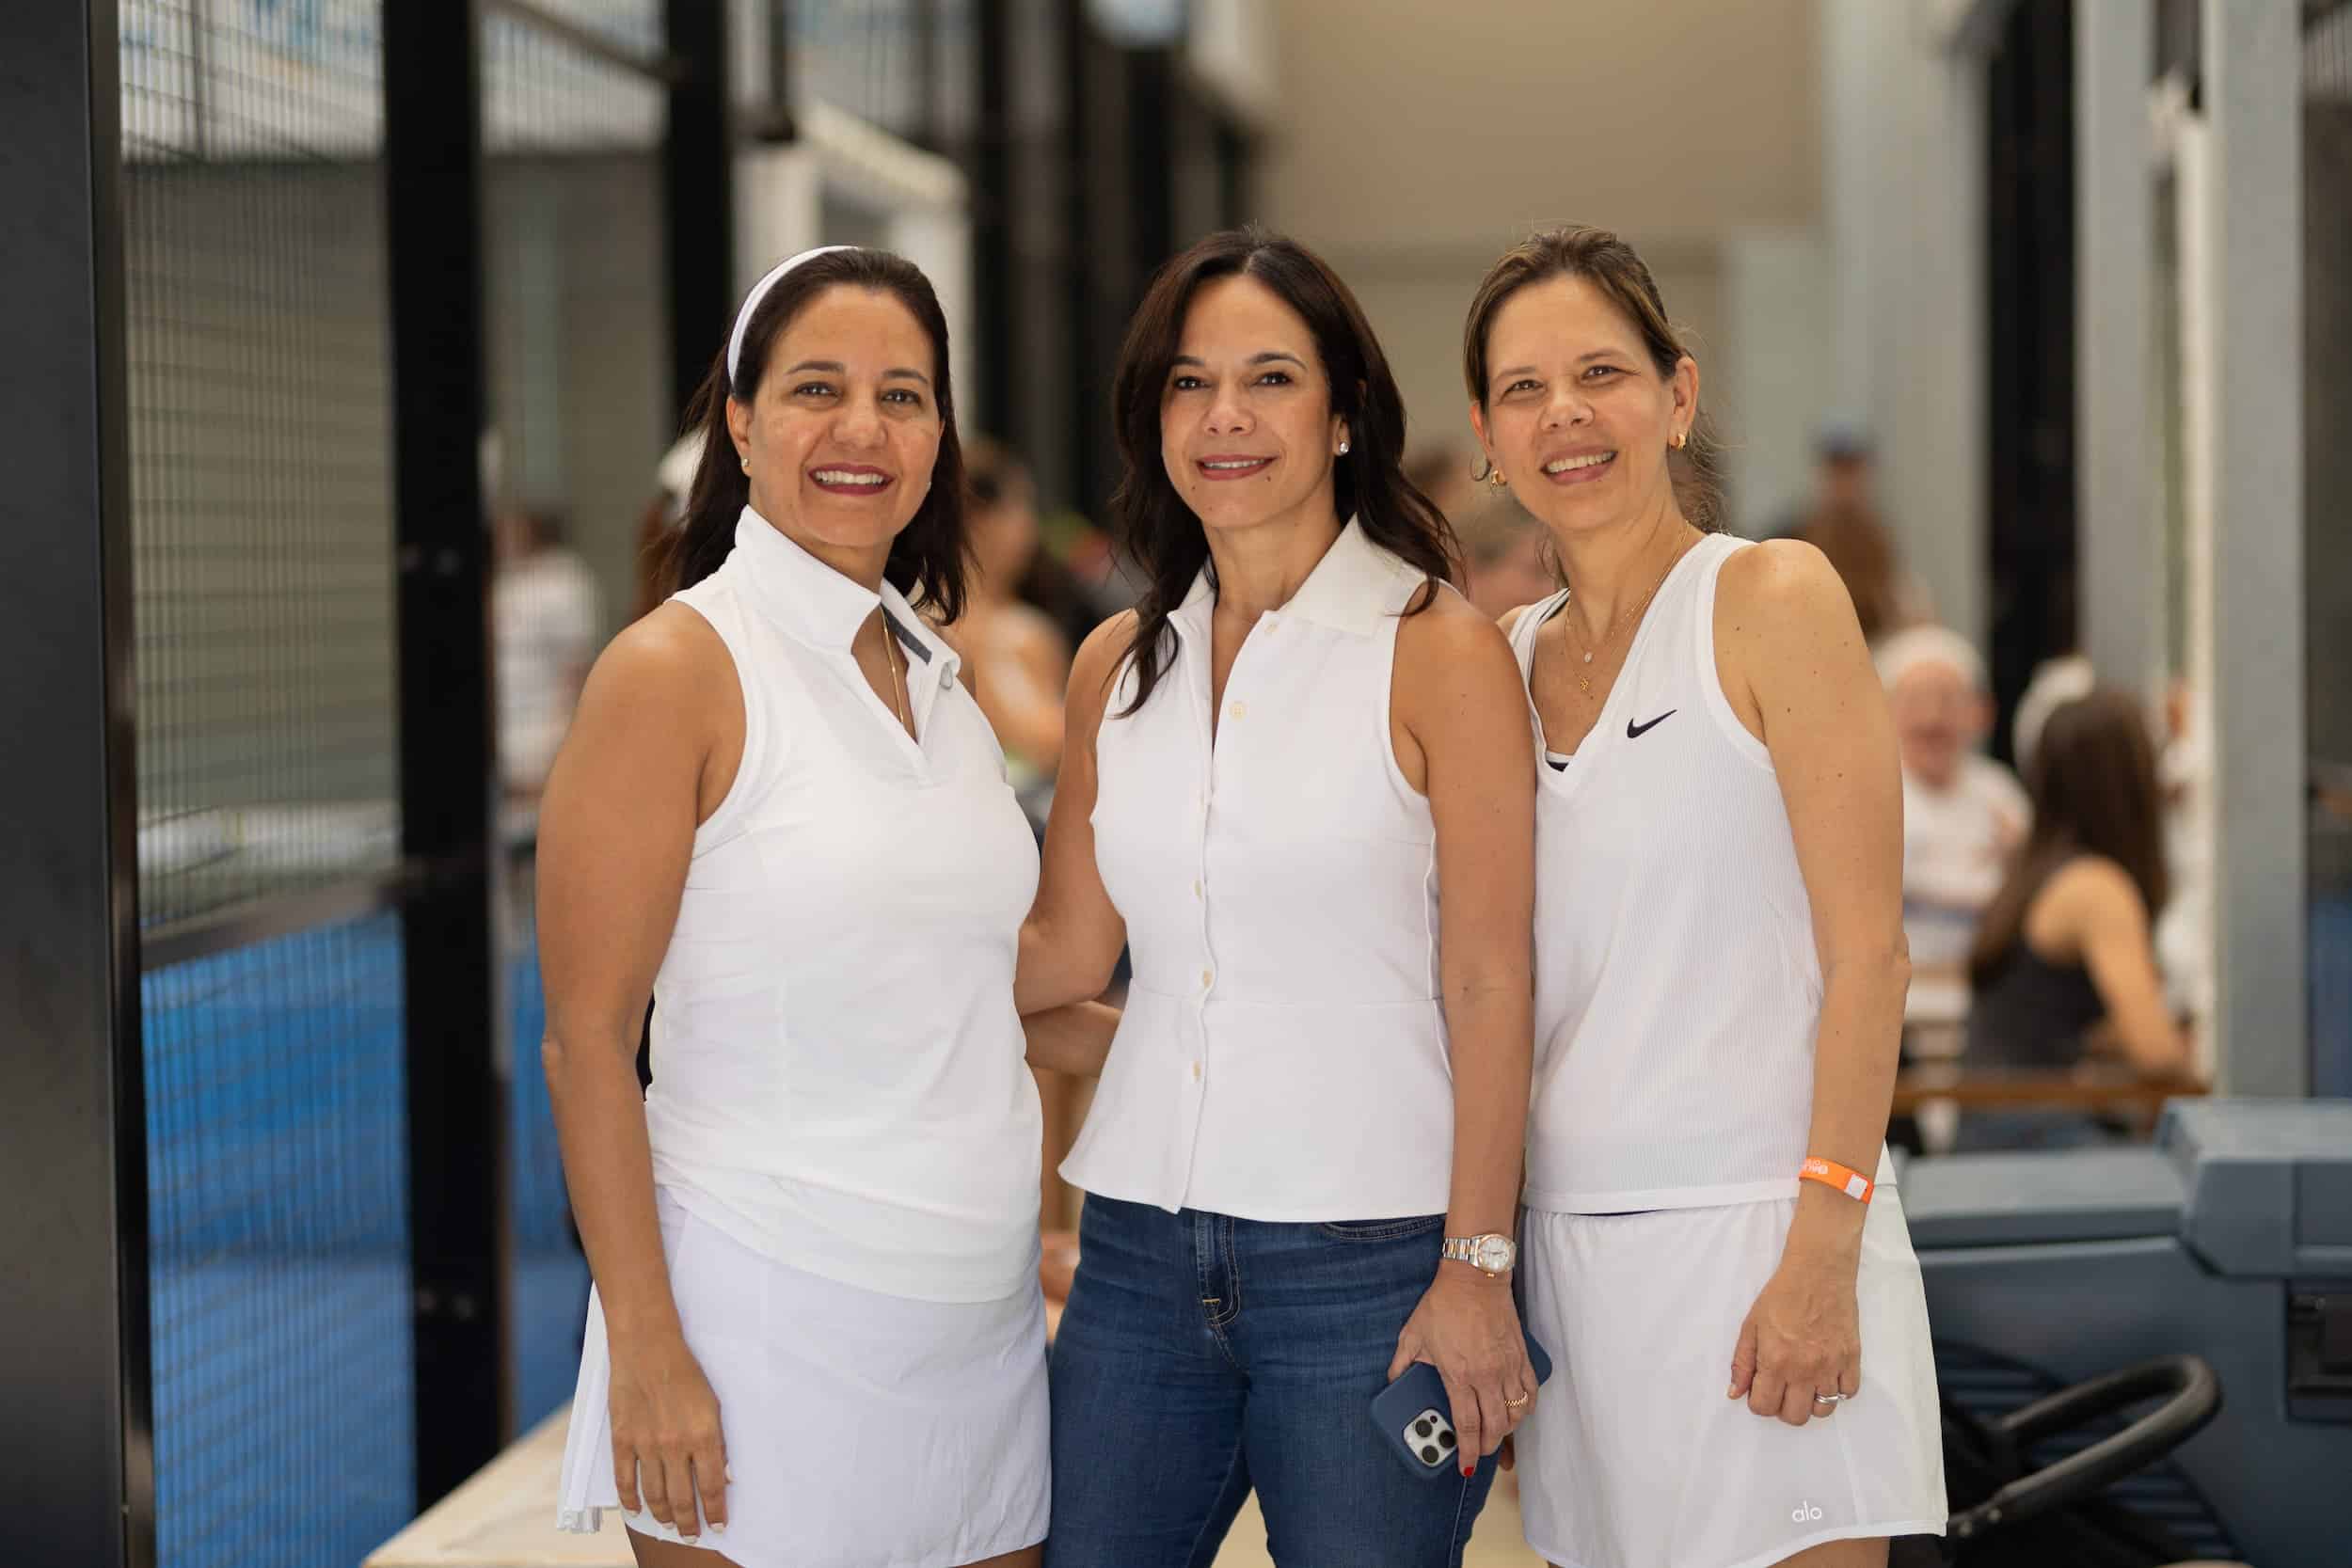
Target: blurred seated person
pixel 2065 957
pixel 546 621
pixel 1963 814
pixel 1504 561
pixel 1019 658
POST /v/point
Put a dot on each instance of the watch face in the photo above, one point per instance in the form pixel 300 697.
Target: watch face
pixel 1493 1254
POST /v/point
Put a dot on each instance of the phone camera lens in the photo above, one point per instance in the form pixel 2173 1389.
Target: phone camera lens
pixel 1420 1428
pixel 1430 1456
pixel 1445 1439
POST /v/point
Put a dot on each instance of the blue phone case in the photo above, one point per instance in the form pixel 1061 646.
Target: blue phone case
pixel 1416 1421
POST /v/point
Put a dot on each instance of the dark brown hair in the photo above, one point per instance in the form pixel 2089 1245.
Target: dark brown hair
pixel 1608 264
pixel 1158 531
pixel 2093 783
pixel 927 560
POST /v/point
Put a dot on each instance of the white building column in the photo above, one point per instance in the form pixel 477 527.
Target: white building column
pixel 2121 532
pixel 2250 219
pixel 1903 183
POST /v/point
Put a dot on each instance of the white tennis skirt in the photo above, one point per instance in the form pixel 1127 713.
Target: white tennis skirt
pixel 864 1430
pixel 1634 1457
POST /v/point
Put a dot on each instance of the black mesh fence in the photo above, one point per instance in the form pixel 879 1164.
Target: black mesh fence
pixel 261 500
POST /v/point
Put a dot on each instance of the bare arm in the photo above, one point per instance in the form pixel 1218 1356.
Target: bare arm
pixel 616 830
pixel 1021 693
pixel 1072 1038
pixel 1795 665
pixel 1458 697
pixel 1072 937
pixel 2097 909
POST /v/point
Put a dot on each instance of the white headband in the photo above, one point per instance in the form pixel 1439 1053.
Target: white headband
pixel 759 292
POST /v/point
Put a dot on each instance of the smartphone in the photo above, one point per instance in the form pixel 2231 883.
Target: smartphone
pixel 1415 1420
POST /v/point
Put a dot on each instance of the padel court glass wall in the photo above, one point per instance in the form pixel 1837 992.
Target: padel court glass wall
pixel 365 273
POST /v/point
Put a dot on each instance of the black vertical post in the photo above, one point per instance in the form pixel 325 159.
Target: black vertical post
pixel 1084 253
pixel 2029 384
pixel 993 291
pixel 78 1487
pixel 698 187
pixel 1151 103
pixel 457 1115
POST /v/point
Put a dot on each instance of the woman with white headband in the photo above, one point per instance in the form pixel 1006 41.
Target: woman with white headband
pixel 817 1336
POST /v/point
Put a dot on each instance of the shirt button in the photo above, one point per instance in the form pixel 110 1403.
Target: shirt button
pixel 1237 709
pixel 1195 1073
pixel 1196 887
pixel 1208 977
pixel 946 679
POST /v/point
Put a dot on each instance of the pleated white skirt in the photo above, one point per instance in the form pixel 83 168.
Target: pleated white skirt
pixel 864 1430
pixel 1633 1457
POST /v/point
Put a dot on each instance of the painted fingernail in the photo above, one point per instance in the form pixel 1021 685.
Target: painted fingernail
pixel 730 1472
pixel 718 1527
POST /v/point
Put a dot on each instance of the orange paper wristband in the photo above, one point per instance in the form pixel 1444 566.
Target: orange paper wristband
pixel 1829 1173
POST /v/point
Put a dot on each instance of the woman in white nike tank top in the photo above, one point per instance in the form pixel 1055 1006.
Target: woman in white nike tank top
pixel 779 810
pixel 1745 1376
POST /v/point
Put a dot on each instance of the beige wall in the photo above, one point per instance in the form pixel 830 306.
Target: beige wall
pixel 1415 138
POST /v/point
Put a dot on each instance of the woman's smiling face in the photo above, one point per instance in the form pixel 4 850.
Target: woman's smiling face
pixel 844 427
pixel 1576 416
pixel 1247 431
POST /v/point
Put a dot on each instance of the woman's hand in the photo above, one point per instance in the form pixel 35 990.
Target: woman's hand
pixel 665 1430
pixel 1802 1338
pixel 1466 1327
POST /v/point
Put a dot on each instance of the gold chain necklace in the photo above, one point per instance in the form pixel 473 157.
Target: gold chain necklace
pixel 899 697
pixel 1567 614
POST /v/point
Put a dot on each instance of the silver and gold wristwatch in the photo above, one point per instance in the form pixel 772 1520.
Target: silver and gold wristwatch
pixel 1491 1255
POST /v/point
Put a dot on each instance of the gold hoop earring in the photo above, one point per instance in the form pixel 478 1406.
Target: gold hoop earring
pixel 747 465
pixel 1494 477
pixel 1682 438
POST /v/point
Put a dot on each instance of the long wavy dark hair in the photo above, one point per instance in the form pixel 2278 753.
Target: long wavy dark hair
pixel 2094 789
pixel 928 559
pixel 1159 531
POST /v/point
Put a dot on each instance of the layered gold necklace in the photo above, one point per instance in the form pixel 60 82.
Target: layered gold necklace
pixel 1627 615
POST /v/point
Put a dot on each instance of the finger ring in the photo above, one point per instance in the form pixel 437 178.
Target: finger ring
pixel 1518 1404
pixel 1828 1398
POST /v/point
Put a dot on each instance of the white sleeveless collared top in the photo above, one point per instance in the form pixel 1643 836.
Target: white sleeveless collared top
pixel 1678 988
pixel 838 1075
pixel 1284 1052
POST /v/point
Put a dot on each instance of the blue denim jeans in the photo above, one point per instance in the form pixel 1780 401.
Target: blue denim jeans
pixel 1201 1355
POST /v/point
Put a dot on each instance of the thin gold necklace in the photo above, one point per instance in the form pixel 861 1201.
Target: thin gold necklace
pixel 899 700
pixel 1567 614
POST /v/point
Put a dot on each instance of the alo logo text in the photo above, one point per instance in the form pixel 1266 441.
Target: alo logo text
pixel 1804 1514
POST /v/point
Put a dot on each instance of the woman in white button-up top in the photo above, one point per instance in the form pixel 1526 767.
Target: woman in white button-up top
pixel 1298 784
pixel 817 1325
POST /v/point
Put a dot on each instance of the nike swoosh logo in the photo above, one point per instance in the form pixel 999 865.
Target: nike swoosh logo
pixel 1635 732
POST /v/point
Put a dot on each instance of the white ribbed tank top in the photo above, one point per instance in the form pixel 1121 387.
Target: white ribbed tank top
pixel 838 1075
pixel 1678 990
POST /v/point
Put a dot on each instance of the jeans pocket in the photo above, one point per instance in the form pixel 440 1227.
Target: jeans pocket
pixel 1381 1231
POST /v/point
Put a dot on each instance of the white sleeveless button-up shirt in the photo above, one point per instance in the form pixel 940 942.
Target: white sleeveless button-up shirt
pixel 1677 987
pixel 839 1079
pixel 1284 1052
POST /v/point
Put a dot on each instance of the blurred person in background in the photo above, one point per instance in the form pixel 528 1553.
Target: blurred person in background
pixel 781 812
pixel 1718 975
pixel 1504 562
pixel 1019 660
pixel 1843 523
pixel 1298 777
pixel 1443 473
pixel 547 621
pixel 1963 814
pixel 2065 953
